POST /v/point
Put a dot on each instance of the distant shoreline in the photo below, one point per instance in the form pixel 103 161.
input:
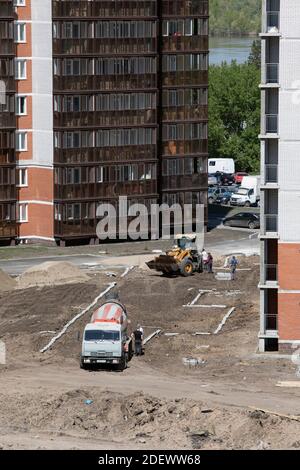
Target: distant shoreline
pixel 229 34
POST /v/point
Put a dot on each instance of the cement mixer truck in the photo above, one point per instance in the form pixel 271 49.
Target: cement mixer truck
pixel 105 338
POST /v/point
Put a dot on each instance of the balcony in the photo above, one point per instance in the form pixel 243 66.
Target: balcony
pixel 270 274
pixel 269 126
pixel 270 73
pixel 271 322
pixel 271 123
pixel 269 226
pixel 271 174
pixel 271 25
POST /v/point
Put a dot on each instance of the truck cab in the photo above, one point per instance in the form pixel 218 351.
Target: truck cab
pixel 248 194
pixel 105 339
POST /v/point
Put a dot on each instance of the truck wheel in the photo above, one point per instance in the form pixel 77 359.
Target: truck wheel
pixel 82 365
pixel 247 204
pixel 123 364
pixel 186 268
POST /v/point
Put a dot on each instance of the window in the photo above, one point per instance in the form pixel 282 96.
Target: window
pixel 21 141
pixel 73 211
pixel 19 3
pixel 100 174
pixel 20 32
pixel 20 69
pixel 21 108
pixel 22 177
pixel 7 212
pixel 187 62
pixel 6 30
pixel 22 212
pixel 73 30
pixel 99 335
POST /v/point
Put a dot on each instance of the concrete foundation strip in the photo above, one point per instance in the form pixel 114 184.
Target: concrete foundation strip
pixel 288 384
pixel 206 333
pixel 154 334
pixel 79 315
pixel 45 333
pixel 127 271
pixel 224 321
pixel 195 299
pixel 274 413
pixel 200 293
pixel 238 269
pixel 199 333
pixel 205 306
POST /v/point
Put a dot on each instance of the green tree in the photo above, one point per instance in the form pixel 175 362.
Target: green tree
pixel 234 16
pixel 255 54
pixel 234 114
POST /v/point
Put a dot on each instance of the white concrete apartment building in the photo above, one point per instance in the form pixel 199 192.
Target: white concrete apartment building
pixel 280 169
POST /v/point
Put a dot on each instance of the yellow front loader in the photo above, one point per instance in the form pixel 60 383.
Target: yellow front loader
pixel 184 258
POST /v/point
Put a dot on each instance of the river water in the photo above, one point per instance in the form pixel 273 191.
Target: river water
pixel 228 49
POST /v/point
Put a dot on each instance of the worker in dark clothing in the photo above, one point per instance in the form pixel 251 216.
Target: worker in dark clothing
pixel 138 341
pixel 210 261
pixel 233 266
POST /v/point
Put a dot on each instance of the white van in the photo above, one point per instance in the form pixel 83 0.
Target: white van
pixel 248 193
pixel 224 165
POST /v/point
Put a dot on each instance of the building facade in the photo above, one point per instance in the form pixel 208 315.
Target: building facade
pixel 8 228
pixel 111 100
pixel 280 198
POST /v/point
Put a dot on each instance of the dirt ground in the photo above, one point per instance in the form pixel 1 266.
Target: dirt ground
pixel 159 401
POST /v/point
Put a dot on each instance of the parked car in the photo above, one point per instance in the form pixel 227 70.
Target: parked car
pixel 224 198
pixel 238 177
pixel 243 219
pixel 215 193
pixel 225 179
pixel 212 180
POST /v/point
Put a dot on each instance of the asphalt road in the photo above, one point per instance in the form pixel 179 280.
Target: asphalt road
pixel 18 266
pixel 222 241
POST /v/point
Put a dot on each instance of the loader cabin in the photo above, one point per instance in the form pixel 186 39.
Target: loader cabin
pixel 186 242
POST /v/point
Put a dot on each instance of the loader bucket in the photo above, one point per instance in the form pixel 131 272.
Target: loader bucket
pixel 164 264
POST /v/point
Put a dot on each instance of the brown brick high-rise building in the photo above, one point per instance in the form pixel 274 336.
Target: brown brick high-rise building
pixel 111 100
pixel 7 122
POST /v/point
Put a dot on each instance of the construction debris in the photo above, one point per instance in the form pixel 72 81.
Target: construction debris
pixel 223 276
pixel 192 361
pixel 111 274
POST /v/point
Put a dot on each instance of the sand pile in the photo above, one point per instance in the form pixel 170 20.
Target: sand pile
pixel 6 282
pixel 144 419
pixel 51 273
